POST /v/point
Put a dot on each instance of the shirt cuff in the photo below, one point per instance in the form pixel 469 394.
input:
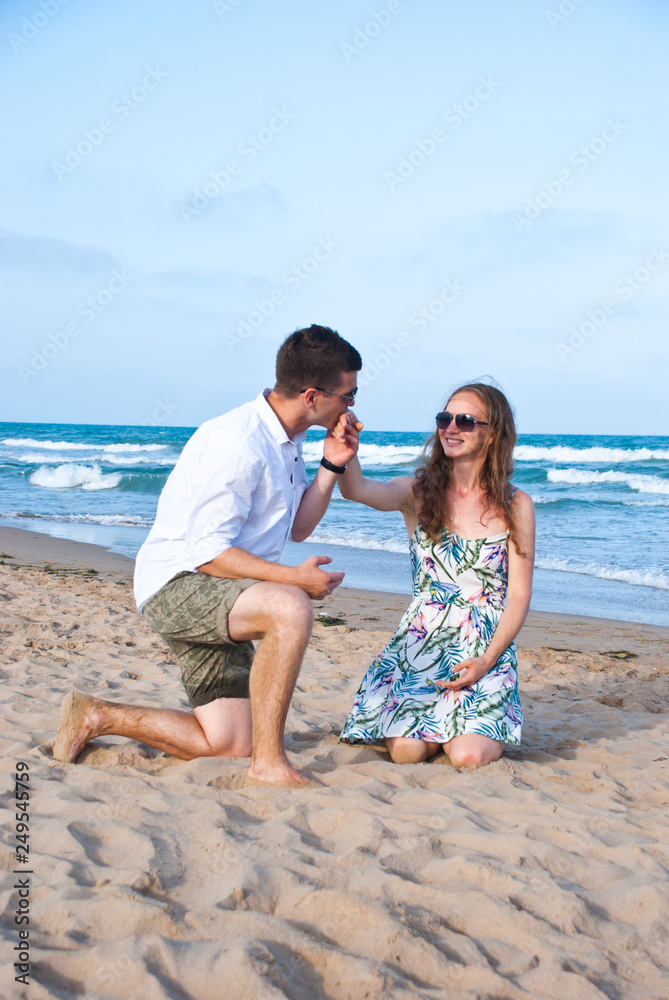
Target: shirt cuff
pixel 207 549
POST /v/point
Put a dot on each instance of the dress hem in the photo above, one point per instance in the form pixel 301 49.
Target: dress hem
pixel 411 736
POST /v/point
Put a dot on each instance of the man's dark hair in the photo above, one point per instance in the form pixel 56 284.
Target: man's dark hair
pixel 315 356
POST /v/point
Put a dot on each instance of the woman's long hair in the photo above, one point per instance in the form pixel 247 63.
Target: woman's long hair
pixel 496 466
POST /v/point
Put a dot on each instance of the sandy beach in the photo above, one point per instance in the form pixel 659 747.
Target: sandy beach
pixel 542 875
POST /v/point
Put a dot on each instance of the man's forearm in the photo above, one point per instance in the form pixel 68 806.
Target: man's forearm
pixel 308 576
pixel 314 504
pixel 235 564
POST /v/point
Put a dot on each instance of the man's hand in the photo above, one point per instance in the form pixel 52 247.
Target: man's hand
pixel 469 672
pixel 341 443
pixel 314 581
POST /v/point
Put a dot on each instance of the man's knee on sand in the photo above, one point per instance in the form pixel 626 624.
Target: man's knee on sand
pixel 239 745
pixel 226 724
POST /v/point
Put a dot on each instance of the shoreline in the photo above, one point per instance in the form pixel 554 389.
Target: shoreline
pixel 357 607
pixel 566 592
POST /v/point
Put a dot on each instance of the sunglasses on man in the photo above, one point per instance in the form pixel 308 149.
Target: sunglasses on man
pixel 463 421
pixel 349 397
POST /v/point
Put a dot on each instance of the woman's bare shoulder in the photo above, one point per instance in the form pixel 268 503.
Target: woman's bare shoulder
pixel 523 515
pixel 522 502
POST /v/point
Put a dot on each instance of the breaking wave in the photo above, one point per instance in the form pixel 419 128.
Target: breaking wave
pixel 581 477
pixel 80 446
pixel 360 542
pixel 565 453
pixel 70 476
pixel 635 577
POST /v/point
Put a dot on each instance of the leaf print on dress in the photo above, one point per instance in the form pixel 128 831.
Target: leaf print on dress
pixel 459 587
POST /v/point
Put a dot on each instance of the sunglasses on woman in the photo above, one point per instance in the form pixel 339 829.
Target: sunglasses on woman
pixel 463 421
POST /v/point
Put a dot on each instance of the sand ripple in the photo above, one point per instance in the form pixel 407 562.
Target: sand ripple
pixel 543 875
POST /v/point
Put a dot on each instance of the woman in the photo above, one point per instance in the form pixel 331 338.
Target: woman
pixel 448 676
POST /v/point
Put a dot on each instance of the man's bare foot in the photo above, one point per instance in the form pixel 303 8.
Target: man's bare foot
pixel 77 725
pixel 279 775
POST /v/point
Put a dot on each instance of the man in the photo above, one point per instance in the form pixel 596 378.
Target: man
pixel 208 579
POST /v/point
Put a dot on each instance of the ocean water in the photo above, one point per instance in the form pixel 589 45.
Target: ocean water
pixel 602 507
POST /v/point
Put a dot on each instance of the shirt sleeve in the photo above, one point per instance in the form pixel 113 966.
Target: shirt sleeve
pixel 222 505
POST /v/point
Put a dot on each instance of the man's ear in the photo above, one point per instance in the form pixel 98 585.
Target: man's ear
pixel 310 397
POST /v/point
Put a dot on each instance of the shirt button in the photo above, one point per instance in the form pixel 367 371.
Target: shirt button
pixel 296 458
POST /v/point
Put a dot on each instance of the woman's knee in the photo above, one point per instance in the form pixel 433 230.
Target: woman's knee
pixel 474 756
pixel 465 758
pixel 407 751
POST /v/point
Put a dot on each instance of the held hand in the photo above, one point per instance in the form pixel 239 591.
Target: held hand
pixel 341 443
pixel 469 672
pixel 314 581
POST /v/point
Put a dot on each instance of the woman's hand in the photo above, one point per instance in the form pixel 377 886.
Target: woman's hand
pixel 469 672
pixel 341 443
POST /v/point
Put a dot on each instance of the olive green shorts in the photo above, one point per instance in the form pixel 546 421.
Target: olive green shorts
pixel 190 613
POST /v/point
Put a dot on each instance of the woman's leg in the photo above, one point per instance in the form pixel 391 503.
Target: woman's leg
pixel 470 750
pixel 405 750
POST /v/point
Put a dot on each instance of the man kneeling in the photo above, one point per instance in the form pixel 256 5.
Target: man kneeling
pixel 208 580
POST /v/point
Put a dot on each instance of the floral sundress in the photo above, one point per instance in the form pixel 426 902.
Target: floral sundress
pixel 459 589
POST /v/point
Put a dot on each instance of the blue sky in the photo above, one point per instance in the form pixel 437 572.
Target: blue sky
pixel 461 189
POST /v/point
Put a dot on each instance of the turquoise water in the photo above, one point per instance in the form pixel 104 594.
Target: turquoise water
pixel 602 507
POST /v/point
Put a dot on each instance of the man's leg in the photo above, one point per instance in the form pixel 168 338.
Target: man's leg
pixel 220 729
pixel 282 617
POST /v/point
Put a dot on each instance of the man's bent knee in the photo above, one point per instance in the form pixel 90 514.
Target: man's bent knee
pixel 226 725
pixel 300 612
pixel 289 606
pixel 267 605
pixel 238 746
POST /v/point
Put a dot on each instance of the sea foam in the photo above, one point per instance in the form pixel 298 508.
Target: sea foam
pixel 635 577
pixel 360 542
pixel 85 477
pixel 565 453
pixel 369 454
pixel 80 446
pixel 133 520
pixel 582 477
pixel 39 458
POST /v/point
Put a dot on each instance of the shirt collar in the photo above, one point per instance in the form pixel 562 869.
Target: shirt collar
pixel 272 422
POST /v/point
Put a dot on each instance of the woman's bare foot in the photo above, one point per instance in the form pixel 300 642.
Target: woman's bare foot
pixel 279 775
pixel 78 725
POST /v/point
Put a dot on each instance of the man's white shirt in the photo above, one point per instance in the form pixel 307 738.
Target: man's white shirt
pixel 238 482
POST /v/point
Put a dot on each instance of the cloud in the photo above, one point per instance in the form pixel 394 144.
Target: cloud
pixel 207 200
pixel 56 259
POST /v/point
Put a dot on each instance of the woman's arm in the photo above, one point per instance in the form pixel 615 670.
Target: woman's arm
pixel 518 594
pixel 394 495
pixel 339 447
